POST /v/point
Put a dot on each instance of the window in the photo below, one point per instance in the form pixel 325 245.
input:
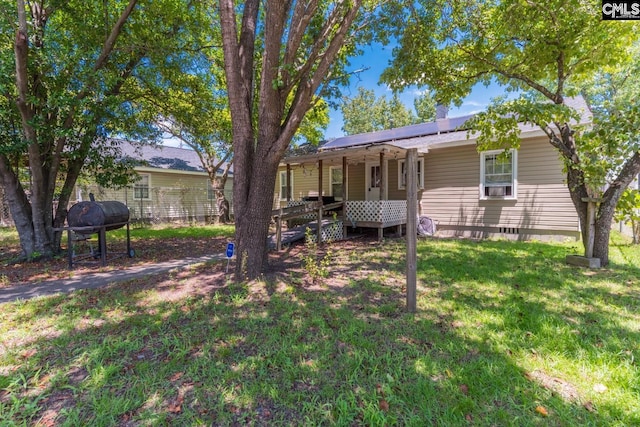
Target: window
pixel 336 183
pixel 402 174
pixel 283 185
pixel 498 174
pixel 141 187
pixel 375 176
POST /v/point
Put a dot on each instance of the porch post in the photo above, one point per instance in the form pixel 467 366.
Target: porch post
pixel 588 260
pixel 344 178
pixel 383 191
pixel 288 182
pixel 412 227
pixel 319 202
pixel 592 207
pixel 344 197
pixel 384 175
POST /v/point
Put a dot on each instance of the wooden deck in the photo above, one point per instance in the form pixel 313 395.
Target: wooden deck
pixel 378 214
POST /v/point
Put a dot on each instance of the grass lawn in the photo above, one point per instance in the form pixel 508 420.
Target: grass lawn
pixel 506 334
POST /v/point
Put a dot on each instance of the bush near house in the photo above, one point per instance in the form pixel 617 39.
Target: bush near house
pixel 628 212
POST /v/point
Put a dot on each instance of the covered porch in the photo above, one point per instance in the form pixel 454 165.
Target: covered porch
pixel 360 187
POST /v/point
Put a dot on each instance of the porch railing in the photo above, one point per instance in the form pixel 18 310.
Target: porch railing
pixel 384 212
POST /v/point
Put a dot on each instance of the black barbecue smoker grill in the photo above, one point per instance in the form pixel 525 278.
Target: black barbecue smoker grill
pixel 87 218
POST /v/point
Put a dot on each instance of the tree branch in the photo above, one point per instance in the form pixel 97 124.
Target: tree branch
pixel 299 22
pixel 109 44
pixel 308 85
pixel 497 68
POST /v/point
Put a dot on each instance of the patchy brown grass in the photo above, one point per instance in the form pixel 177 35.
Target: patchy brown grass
pixel 147 252
pixel 151 251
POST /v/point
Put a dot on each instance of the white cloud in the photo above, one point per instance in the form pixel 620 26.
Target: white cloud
pixel 474 104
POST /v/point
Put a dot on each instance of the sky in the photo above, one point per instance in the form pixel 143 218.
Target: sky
pixel 374 60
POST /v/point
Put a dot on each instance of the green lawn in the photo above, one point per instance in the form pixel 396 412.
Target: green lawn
pixel 8 236
pixel 505 334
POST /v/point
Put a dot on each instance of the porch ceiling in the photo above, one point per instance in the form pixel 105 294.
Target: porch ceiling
pixel 354 155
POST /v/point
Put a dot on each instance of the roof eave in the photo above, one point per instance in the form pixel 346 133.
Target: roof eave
pixel 367 153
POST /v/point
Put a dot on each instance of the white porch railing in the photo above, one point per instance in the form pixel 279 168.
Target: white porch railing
pixel 356 213
pixel 384 212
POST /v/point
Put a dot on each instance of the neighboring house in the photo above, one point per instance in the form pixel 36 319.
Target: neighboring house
pixel 172 186
pixel 626 228
pixel 522 196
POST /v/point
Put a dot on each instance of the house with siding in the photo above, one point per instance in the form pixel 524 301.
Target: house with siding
pixel 521 195
pixel 172 185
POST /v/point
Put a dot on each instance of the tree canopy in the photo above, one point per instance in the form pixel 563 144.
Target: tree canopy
pixel 548 52
pixel 365 112
pixel 73 74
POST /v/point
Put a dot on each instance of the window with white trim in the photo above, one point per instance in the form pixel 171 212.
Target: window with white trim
pixel 336 182
pixel 141 187
pixel 283 185
pixel 402 174
pixel 498 174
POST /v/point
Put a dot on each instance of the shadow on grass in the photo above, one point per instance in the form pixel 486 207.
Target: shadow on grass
pixel 192 348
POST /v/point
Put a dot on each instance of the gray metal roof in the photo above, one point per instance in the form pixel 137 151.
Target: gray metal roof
pixel 162 156
pixel 413 131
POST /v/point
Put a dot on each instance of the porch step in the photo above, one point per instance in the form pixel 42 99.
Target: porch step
pixel 331 230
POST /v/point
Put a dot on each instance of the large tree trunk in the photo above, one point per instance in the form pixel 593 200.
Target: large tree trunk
pixel 579 192
pixel 602 233
pixel 39 244
pixel 604 216
pixel 32 221
pixel 291 75
pixel 222 204
pixel 607 208
pixel 19 207
pixel 252 223
pixel 238 53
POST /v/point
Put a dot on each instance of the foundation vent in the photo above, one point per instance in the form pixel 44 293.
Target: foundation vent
pixel 509 230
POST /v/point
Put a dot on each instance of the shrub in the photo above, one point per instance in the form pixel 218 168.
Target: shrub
pixel 628 211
